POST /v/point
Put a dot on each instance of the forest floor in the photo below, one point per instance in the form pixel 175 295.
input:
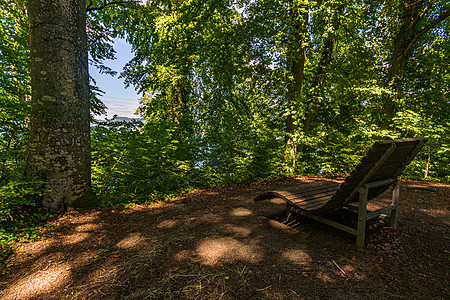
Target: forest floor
pixel 217 243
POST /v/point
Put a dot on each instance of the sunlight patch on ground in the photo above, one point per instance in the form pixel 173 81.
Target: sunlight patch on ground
pixel 87 218
pixel 75 238
pixel 279 226
pixel 166 224
pixel 296 256
pixel 39 283
pixel 87 227
pixel 130 241
pixel 436 213
pixel 425 185
pixel 241 212
pixel 238 230
pixel 213 251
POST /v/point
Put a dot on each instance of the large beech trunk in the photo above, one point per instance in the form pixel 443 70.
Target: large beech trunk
pixel 59 142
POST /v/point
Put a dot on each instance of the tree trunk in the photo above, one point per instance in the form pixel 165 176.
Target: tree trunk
pixel 413 24
pixel 297 65
pixel 409 17
pixel 427 166
pixel 59 142
pixel 321 71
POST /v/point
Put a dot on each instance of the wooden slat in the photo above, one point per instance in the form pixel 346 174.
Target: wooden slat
pixel 307 198
pixel 318 191
pixel 301 190
pixel 314 205
pixel 399 155
pixel 374 214
pixel 325 220
pixel 380 183
pixel 311 187
pixel 410 156
pixel 311 202
pixel 402 141
pixel 370 173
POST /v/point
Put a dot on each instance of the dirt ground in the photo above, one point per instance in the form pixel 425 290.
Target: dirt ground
pixel 218 244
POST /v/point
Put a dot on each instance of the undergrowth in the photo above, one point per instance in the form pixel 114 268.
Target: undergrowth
pixel 25 225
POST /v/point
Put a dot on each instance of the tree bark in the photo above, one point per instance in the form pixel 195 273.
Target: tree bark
pixel 59 142
pixel 296 61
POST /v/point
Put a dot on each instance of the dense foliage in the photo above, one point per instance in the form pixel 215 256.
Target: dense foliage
pixel 240 91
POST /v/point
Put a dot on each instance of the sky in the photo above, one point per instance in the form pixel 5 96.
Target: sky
pixel 118 99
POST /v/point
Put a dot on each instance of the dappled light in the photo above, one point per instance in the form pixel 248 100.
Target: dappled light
pixel 297 256
pixel 87 227
pixel 91 218
pixel 239 231
pixel 437 213
pixel 84 258
pixel 75 238
pixel 279 226
pixel 222 244
pixel 167 224
pixel 130 241
pixel 262 129
pixel 222 250
pixel 241 212
pixel 34 285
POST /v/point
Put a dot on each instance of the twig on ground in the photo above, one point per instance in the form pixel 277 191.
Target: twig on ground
pixel 340 269
pixel 267 287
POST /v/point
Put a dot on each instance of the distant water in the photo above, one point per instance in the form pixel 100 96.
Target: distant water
pixel 118 119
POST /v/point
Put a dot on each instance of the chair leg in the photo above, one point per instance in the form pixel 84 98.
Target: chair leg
pixel 362 211
pixel 394 212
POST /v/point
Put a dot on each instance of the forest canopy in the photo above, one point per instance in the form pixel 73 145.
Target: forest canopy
pixel 245 90
pixel 237 91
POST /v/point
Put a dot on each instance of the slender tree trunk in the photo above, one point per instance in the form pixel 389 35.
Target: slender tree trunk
pixel 295 91
pixel 297 65
pixel 59 142
pixel 321 71
pixel 427 166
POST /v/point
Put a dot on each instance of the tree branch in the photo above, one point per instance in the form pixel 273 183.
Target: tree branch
pixel 442 16
pixel 348 31
pixel 427 8
pixel 423 30
pixel 105 4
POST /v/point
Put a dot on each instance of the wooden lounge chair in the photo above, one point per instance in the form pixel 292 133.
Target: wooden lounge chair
pixel 376 172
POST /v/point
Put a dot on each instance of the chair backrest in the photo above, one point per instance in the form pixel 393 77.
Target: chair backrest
pixel 385 160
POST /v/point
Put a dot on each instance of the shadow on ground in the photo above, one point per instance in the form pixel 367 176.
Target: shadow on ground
pixel 218 244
